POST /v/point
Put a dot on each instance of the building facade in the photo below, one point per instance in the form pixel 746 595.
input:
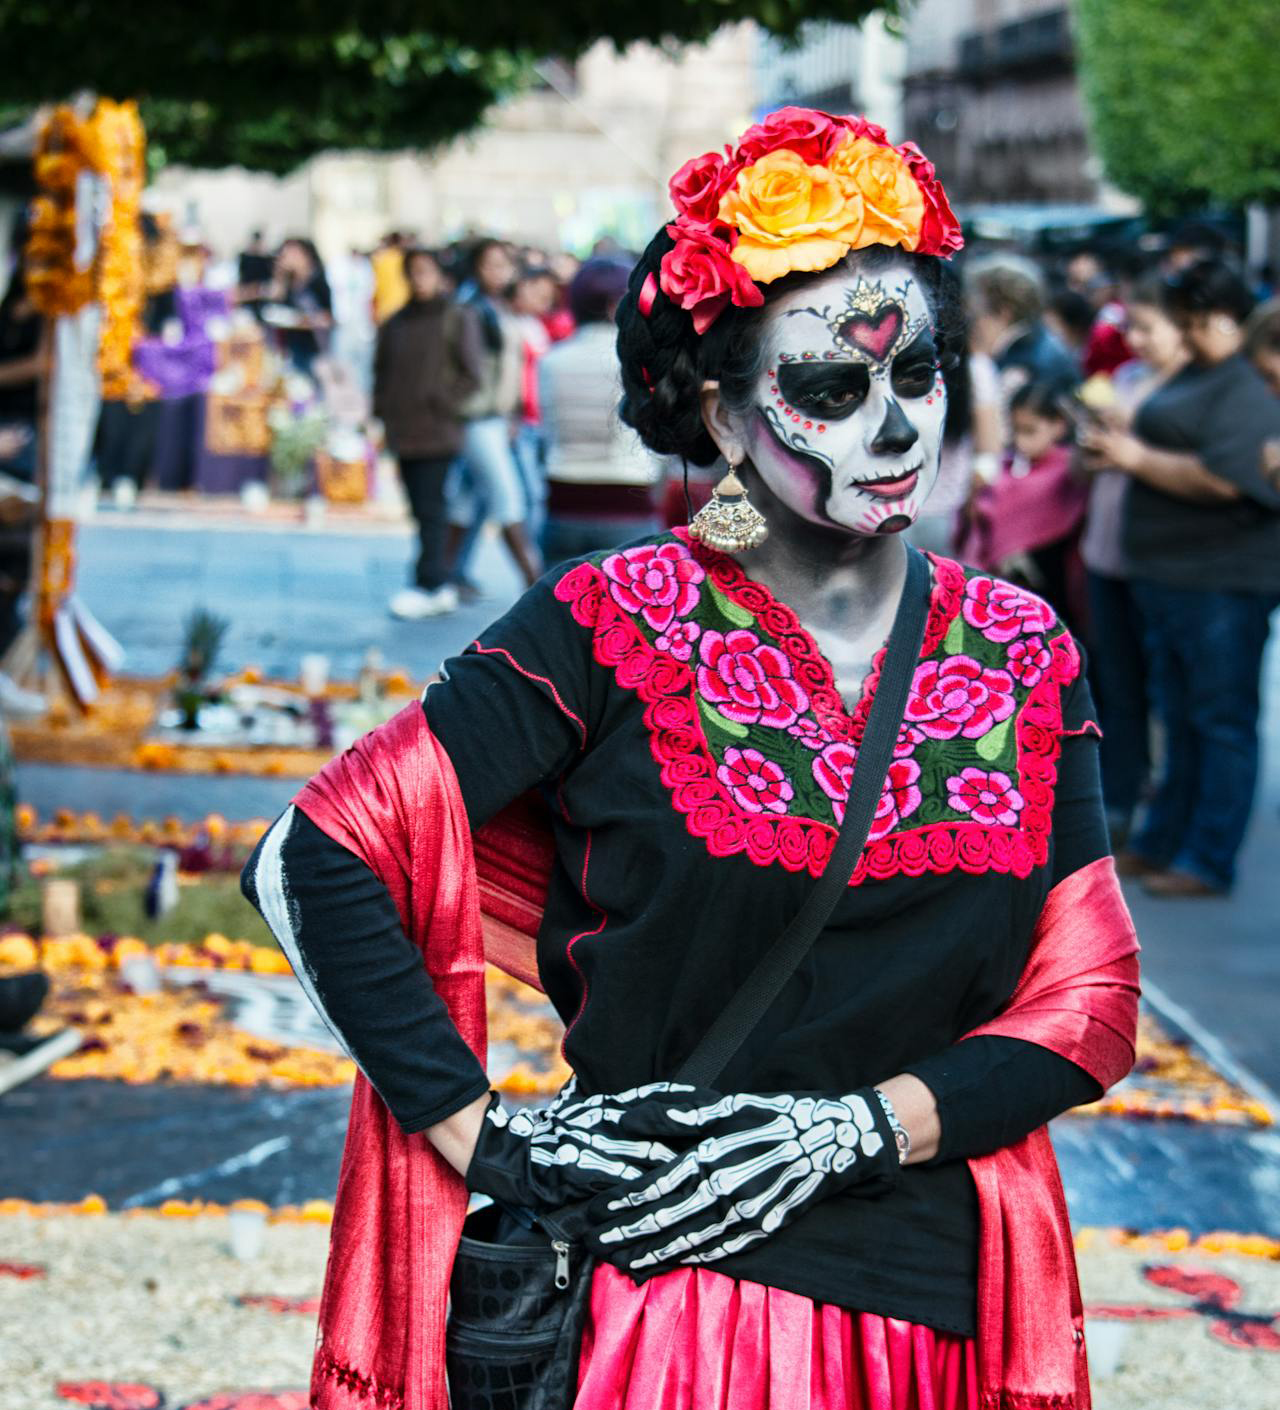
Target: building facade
pixel 990 92
pixel 840 68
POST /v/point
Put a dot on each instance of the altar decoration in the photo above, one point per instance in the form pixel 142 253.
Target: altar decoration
pixel 183 1032
pixel 58 258
pixel 121 276
pixel 81 166
pixel 270 729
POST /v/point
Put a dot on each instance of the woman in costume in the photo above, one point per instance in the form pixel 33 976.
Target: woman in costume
pixel 866 1213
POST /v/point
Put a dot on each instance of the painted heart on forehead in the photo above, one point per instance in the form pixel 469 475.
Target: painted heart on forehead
pixel 873 334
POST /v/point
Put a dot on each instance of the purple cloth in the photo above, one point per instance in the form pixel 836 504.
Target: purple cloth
pixel 1020 513
pixel 228 474
pixel 178 369
pixel 196 306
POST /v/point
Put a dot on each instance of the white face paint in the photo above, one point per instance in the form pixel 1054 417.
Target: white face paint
pixel 846 425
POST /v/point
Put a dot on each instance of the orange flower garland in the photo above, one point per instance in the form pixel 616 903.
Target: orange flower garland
pixel 121 291
pixel 65 151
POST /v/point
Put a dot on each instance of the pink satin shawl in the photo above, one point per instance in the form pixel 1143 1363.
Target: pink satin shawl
pixel 393 800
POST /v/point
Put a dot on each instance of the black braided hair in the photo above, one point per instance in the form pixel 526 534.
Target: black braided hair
pixel 665 363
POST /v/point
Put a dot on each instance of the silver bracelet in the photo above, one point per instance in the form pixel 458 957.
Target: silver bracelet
pixel 901 1136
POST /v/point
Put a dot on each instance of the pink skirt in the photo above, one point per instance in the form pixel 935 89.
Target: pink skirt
pixel 698 1340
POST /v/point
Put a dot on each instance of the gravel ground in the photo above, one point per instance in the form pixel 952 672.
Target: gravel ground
pixel 150 1299
pixel 1178 1364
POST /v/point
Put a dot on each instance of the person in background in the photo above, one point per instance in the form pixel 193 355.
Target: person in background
pixel 600 479
pixel 1105 348
pixel 493 489
pixel 972 441
pixel 1262 342
pixel 428 360
pixel 1069 317
pixel 1203 544
pixel 532 303
pixel 1191 242
pixel 1006 299
pixel 254 272
pixel 390 287
pixel 301 285
pixel 1026 525
pixel 1118 666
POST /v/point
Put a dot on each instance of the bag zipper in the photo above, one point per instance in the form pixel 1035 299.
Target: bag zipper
pixel 562 1263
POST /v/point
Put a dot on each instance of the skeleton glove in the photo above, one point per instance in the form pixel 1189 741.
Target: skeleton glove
pixel 544 1158
pixel 760 1162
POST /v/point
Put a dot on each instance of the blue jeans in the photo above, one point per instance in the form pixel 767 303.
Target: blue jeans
pixel 1118 674
pixel 1204 653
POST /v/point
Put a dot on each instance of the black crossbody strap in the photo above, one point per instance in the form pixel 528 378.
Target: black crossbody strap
pixel 763 985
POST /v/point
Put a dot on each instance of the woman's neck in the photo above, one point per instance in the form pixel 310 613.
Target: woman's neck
pixel 835 580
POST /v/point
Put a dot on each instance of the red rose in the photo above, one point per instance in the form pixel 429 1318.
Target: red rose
pixel 940 232
pixel 809 133
pixel 697 187
pixel 700 274
pixel 864 127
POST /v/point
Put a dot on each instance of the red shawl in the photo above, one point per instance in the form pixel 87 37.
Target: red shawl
pixel 393 800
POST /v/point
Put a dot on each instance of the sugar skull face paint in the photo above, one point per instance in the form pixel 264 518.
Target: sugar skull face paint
pixel 846 427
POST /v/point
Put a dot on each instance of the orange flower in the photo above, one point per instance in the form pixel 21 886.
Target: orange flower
pixel 893 204
pixel 790 216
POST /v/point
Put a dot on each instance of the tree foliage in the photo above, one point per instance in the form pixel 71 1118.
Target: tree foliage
pixel 266 86
pixel 1183 98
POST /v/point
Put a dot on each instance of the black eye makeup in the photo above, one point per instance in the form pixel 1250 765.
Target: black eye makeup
pixel 915 368
pixel 831 390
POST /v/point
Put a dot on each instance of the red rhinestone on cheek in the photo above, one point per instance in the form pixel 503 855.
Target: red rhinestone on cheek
pixel 821 428
pixel 772 373
pixel 808 425
pixel 781 403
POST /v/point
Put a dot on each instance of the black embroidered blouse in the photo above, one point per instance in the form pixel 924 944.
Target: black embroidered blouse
pixel 697 755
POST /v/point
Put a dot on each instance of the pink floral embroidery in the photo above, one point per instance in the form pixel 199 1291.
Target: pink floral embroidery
pixel 833 772
pixel 748 680
pixel 688 764
pixel 678 639
pixel 1029 659
pixel 1002 612
pixel 757 784
pixel 901 797
pixel 657 581
pixel 958 696
pixel 988 798
pixel 810 734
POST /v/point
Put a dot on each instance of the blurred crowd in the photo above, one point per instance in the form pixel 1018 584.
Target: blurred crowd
pixel 1113 443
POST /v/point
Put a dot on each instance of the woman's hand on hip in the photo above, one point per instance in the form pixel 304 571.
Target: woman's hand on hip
pixel 542 1158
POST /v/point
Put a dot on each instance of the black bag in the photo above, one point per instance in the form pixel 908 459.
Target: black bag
pixel 518 1308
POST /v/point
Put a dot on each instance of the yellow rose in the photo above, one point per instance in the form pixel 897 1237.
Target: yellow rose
pixel 893 204
pixel 789 216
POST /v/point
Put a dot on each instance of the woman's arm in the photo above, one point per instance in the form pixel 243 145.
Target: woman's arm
pixel 1176 473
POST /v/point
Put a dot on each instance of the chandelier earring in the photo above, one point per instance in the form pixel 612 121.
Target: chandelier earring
pixel 729 521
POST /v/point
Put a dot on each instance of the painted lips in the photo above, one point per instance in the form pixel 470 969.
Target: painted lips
pixel 890 489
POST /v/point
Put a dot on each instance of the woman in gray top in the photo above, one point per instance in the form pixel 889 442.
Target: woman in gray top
pixel 1204 554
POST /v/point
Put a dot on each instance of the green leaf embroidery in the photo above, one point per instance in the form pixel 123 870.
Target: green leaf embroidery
pixel 739 616
pixel 713 717
pixel 954 639
pixel 991 745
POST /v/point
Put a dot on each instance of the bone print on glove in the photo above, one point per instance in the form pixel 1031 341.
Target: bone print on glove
pixel 760 1162
pixel 544 1158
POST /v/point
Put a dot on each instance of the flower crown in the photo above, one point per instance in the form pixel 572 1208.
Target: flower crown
pixel 800 190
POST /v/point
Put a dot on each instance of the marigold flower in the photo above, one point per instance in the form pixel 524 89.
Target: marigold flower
pixel 892 202
pixel 790 216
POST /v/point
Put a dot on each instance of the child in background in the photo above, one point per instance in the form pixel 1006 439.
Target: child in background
pixel 1026 524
